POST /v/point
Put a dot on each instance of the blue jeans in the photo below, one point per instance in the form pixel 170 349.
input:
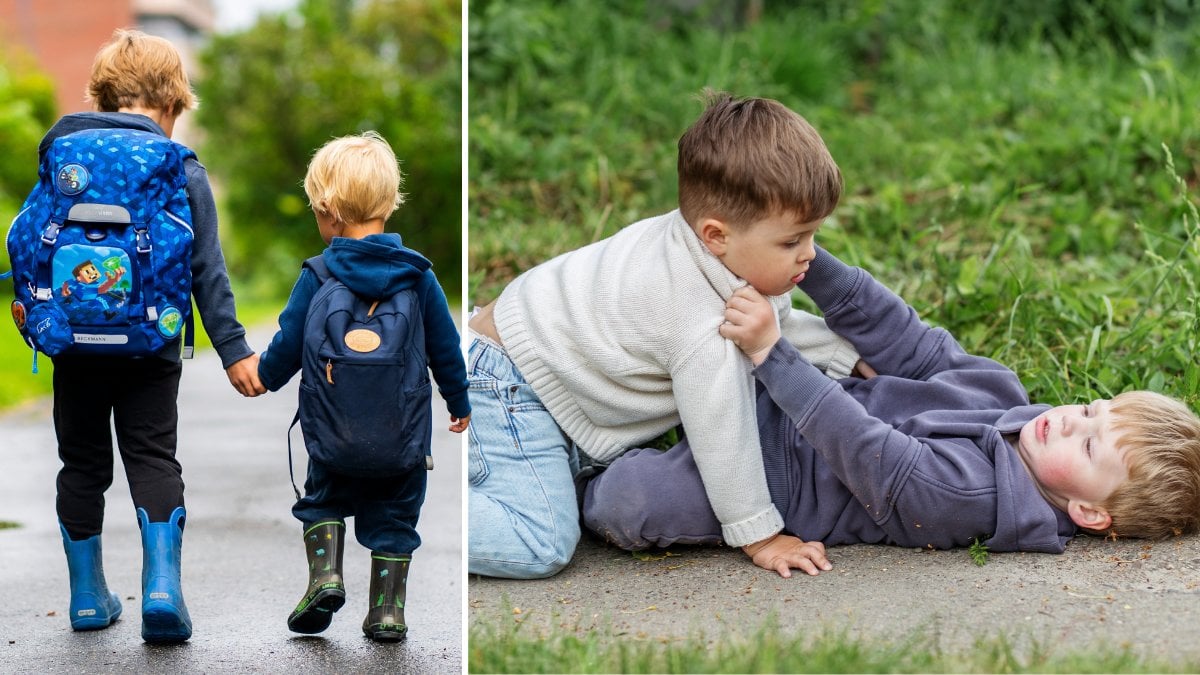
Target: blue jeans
pixel 523 516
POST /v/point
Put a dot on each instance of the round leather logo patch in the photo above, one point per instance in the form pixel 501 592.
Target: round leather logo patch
pixel 362 340
pixel 72 179
pixel 18 314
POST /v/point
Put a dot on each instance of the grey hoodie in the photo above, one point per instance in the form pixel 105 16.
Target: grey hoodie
pixel 917 456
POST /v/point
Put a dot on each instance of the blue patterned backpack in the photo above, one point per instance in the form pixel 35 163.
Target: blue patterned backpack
pixel 101 249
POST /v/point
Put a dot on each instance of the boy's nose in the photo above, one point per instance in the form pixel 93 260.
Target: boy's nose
pixel 807 253
pixel 1074 424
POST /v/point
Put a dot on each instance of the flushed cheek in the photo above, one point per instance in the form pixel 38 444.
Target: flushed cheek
pixel 1055 475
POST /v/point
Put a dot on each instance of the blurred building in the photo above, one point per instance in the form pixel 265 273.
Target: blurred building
pixel 63 37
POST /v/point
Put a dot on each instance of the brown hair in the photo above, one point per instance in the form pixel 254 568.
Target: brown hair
pixel 136 69
pixel 1161 440
pixel 748 158
pixel 354 178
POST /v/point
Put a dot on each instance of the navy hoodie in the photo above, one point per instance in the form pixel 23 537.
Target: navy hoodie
pixel 210 279
pixel 378 265
pixel 919 455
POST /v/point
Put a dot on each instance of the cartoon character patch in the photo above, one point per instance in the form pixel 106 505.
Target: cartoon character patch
pixel 170 322
pixel 92 283
pixel 18 314
pixel 72 179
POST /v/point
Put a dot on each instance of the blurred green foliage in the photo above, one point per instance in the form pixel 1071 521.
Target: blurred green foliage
pixel 273 94
pixel 1023 174
pixel 27 109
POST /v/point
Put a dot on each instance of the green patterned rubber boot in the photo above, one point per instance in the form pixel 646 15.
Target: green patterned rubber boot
pixel 323 543
pixel 389 577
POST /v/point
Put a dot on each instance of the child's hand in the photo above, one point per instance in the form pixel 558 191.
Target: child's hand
pixel 782 552
pixel 243 375
pixel 864 370
pixel 751 323
pixel 459 424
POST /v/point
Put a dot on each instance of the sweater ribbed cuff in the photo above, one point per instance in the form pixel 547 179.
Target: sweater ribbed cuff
pixel 233 349
pixel 755 528
pixel 842 362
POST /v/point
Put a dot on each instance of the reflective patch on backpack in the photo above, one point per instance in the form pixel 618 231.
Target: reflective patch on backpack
pixel 72 179
pixel 170 322
pixel 18 314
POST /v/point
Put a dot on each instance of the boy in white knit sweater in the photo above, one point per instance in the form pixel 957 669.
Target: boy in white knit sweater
pixel 608 346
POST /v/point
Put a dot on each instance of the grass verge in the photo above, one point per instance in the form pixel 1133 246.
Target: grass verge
pixel 506 646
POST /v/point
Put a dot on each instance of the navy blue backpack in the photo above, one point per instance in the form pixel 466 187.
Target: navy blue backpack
pixel 101 249
pixel 364 381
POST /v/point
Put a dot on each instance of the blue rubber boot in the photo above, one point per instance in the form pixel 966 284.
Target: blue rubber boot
pixel 164 615
pixel 92 605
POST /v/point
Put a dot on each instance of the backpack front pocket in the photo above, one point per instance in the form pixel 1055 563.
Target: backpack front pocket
pixel 94 285
pixel 356 419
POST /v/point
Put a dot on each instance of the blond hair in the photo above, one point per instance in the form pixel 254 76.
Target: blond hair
pixel 355 179
pixel 749 158
pixel 136 69
pixel 1160 437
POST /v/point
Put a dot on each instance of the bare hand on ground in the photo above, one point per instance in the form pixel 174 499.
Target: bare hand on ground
pixel 783 552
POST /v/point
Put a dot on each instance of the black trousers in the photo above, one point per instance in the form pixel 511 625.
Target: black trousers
pixel 139 397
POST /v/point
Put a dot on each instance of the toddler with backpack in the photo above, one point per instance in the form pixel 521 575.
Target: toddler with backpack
pixel 109 251
pixel 366 322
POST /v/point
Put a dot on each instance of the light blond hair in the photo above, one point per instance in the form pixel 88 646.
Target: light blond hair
pixel 746 159
pixel 355 179
pixel 1160 437
pixel 136 69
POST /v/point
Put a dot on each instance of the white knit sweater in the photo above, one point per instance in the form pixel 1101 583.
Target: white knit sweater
pixel 620 341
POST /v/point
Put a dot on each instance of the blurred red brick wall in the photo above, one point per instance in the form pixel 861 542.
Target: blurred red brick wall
pixel 63 36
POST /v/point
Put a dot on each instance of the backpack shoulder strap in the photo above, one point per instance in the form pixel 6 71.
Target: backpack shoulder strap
pixel 319 268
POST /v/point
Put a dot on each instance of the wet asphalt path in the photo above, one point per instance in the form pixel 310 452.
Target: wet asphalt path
pixel 243 558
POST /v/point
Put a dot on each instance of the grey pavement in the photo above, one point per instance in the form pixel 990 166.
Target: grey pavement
pixel 1106 594
pixel 243 558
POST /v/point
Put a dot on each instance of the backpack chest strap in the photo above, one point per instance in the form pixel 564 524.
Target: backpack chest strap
pixel 42 290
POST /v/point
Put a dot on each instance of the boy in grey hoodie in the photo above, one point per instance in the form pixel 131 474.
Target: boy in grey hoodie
pixel 937 448
pixel 138 82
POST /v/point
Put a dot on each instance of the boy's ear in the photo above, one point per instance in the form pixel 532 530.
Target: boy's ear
pixel 1091 517
pixel 714 234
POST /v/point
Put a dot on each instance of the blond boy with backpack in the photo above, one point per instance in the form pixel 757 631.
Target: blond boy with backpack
pixel 365 323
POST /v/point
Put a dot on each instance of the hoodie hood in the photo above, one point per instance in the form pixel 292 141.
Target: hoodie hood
pixel 376 266
pixel 69 124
